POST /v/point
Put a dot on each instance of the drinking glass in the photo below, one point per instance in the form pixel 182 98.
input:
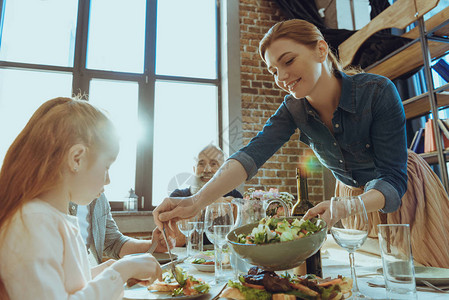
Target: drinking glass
pixel 218 222
pixel 350 230
pixel 198 232
pixel 197 236
pixel 186 227
pixel 397 261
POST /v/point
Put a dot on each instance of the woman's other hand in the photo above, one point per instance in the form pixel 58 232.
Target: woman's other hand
pixel 143 267
pixel 322 210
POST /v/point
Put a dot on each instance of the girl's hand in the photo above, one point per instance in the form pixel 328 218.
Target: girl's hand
pixel 98 269
pixel 143 267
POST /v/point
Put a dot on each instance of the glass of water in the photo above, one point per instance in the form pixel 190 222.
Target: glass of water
pixel 218 222
pixel 397 261
pixel 350 230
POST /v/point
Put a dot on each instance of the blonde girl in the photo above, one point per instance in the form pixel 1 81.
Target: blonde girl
pixel 63 154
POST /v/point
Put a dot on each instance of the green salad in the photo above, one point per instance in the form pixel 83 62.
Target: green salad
pixel 188 285
pixel 272 230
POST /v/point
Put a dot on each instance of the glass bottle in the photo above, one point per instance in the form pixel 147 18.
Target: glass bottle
pixel 313 263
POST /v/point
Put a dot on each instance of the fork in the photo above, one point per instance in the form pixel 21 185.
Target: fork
pixel 441 290
pixel 428 288
pixel 173 268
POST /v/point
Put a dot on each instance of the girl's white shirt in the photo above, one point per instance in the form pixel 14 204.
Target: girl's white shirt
pixel 82 214
pixel 43 256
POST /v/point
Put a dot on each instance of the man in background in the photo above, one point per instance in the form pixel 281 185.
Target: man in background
pixel 208 161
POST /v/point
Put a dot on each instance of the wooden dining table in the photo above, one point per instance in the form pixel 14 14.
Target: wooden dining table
pixel 335 261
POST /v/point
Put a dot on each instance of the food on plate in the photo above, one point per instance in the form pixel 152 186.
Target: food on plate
pixel 185 286
pixel 260 284
pixel 272 230
pixel 207 258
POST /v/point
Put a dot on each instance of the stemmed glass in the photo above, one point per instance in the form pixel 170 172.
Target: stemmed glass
pixel 186 227
pixel 218 222
pixel 350 230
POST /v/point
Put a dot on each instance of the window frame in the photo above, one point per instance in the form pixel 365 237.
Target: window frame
pixel 146 82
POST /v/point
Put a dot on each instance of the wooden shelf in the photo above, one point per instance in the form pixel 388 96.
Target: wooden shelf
pixel 411 57
pixel 420 105
pixel 431 23
pixel 431 157
pixel 407 60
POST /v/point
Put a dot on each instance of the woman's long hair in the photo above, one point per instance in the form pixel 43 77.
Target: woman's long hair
pixel 306 34
pixel 36 160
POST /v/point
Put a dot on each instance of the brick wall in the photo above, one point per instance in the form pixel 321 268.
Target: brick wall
pixel 260 99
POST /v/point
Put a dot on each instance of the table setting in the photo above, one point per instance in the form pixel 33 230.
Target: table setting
pixel 375 269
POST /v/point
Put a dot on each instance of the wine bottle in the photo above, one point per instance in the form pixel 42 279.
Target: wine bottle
pixel 302 205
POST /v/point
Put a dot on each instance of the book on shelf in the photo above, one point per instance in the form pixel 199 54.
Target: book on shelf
pixel 417 144
pixel 444 128
pixel 446 122
pixel 429 137
pixel 442 68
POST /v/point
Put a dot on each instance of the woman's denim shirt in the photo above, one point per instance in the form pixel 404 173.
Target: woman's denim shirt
pixel 368 147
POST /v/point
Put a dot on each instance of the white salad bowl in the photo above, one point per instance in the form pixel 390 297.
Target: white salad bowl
pixel 277 256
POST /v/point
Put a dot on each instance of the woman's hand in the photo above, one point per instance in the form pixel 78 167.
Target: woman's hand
pixel 143 267
pixel 322 210
pixel 172 210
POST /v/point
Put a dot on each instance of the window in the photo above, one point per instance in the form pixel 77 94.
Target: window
pixel 18 103
pixel 181 136
pixel 152 65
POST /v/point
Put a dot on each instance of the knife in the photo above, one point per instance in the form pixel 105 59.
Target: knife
pixel 153 247
pixel 133 281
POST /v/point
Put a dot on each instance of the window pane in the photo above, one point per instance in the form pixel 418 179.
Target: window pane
pixel 183 126
pixel 186 38
pixel 116 35
pixel 119 99
pixel 21 93
pixel 39 32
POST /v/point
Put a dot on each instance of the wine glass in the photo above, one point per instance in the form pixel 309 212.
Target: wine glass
pixel 218 222
pixel 350 230
pixel 186 227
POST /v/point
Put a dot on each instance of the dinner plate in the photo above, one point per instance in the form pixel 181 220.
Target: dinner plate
pixel 436 276
pixel 163 257
pixel 142 293
pixel 208 268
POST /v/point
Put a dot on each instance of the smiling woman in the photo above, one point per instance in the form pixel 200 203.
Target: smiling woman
pixel 359 122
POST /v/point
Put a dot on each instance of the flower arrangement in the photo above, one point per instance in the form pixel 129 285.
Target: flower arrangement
pixel 253 194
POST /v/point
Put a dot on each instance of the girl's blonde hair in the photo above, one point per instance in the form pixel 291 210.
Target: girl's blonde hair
pixel 35 161
pixel 306 34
